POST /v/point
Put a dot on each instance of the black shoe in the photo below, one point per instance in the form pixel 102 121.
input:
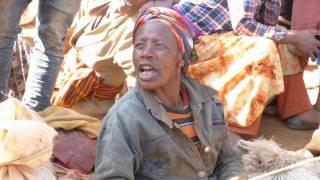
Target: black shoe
pixel 271 110
pixel 295 122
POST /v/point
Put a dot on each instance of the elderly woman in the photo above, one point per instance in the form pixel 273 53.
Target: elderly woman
pixel 168 126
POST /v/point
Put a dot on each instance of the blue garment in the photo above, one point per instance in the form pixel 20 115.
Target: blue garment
pixel 55 16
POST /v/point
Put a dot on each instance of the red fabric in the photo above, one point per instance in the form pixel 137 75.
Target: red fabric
pixel 75 150
pixel 294 99
pixel 251 130
pixel 306 14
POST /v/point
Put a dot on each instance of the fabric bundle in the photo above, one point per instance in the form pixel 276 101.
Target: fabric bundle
pixel 246 71
pixel 26 143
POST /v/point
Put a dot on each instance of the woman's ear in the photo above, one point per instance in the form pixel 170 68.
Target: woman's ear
pixel 181 62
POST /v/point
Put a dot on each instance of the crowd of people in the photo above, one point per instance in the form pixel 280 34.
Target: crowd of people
pixel 169 79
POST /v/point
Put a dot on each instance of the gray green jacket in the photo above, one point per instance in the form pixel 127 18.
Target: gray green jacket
pixel 139 141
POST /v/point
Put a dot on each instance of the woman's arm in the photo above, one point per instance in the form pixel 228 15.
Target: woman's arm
pixel 115 154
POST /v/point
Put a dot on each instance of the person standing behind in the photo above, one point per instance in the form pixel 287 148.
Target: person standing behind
pixel 305 14
pixel 54 16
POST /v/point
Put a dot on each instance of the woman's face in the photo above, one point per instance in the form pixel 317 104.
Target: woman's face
pixel 156 57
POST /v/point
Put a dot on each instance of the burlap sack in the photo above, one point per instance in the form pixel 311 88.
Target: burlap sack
pixel 26 143
pixel 314 144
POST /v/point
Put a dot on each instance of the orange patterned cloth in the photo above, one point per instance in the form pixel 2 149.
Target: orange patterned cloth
pixel 289 60
pixel 98 58
pixel 82 83
pixel 246 71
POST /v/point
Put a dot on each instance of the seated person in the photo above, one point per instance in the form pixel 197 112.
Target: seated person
pixel 304 16
pixel 98 61
pixel 168 126
pixel 252 17
pixel 245 70
pixel 243 65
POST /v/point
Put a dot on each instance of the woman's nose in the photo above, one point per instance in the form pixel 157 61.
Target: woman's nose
pixel 147 52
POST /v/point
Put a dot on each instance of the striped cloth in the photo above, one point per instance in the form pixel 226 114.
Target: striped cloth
pixel 183 118
pixel 83 83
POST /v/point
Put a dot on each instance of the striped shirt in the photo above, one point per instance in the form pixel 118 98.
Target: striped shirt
pixel 257 18
pixel 205 16
pixel 183 118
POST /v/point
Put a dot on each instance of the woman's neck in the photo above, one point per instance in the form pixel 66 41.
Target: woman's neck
pixel 170 96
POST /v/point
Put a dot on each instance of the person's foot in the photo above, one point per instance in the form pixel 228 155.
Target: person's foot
pixel 271 110
pixel 317 107
pixel 304 121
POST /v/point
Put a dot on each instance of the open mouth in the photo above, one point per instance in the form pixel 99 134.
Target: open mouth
pixel 147 72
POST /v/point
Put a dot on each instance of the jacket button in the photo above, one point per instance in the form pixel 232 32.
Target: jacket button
pixel 202 174
pixel 207 149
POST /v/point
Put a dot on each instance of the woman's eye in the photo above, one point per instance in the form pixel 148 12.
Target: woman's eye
pixel 139 45
pixel 160 45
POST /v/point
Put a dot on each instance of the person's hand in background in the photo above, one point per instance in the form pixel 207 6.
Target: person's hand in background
pixel 156 3
pixel 305 41
pixel 128 6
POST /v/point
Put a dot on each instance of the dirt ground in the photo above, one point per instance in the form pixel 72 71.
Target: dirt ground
pixel 273 127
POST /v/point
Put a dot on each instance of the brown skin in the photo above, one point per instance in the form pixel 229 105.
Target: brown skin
pixel 305 41
pixel 130 6
pixel 158 61
pixel 156 3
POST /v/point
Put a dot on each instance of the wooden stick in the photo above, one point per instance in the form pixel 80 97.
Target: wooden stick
pixel 290 167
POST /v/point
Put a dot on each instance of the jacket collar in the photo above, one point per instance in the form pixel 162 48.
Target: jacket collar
pixel 198 94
